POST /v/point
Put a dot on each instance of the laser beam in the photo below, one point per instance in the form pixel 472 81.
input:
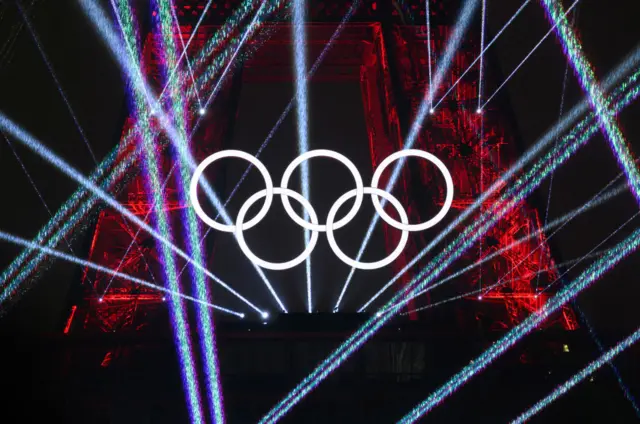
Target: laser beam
pixel 587 79
pixel 594 366
pixel 302 110
pixel 33 246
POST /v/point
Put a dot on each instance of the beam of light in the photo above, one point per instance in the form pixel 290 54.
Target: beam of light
pixel 455 84
pixel 586 278
pixel 595 365
pixel 179 320
pixel 528 56
pixel 251 29
pixel 560 112
pixel 302 114
pixel 555 158
pixel 600 198
pixel 67 103
pixel 481 64
pixel 50 157
pixel 586 77
pixel 28 244
pixel 609 236
pixel 184 53
pixel 36 41
pixel 462 24
pixel 427 14
pixel 206 329
pixel 110 171
pixel 552 134
pixel 179 142
pixel 596 339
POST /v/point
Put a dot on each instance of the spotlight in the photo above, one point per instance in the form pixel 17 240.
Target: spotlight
pixel 100 300
pixel 432 111
pixel 265 315
pixel 202 111
pixel 480 297
pixel 479 111
pixel 242 316
pixel 164 298
pixel 378 314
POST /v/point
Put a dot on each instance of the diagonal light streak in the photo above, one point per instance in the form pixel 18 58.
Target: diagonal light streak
pixel 201 110
pixel 427 14
pixel 205 322
pixel 33 246
pixel 586 77
pixel 616 372
pixel 462 24
pixel 527 57
pixel 605 359
pixel 504 27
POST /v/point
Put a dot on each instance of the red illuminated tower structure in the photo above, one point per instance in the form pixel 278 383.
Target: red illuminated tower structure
pixel 392 86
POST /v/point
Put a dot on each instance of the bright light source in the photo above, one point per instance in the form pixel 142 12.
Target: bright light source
pixel 241 315
pixel 202 111
pixel 479 297
pixel 265 315
pixel 479 111
pixel 378 314
pixel 164 298
pixel 432 111
pixel 100 300
pixel 565 348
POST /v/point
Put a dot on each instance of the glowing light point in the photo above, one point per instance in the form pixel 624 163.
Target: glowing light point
pixel 265 315
pixel 432 111
pixel 202 111
pixel 100 300
pixel 479 111
pixel 164 298
pixel 242 316
pixel 479 297
pixel 378 314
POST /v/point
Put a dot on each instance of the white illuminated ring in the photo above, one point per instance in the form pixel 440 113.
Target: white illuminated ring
pixel 447 201
pixel 367 265
pixel 327 154
pixel 240 227
pixel 193 191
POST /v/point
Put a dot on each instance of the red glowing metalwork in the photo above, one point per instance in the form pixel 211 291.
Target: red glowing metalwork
pixel 452 133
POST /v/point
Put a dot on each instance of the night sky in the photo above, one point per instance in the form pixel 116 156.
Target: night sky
pixel 95 88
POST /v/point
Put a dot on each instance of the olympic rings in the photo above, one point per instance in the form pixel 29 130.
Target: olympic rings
pixel 284 192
